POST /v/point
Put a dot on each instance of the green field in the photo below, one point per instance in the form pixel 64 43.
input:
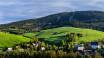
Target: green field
pixel 9 40
pixel 51 35
pixel 88 34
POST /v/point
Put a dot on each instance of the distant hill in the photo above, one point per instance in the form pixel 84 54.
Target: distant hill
pixel 57 34
pixel 81 19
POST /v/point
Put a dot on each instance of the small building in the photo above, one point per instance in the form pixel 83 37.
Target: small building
pixel 94 45
pixel 60 48
pixel 42 48
pixel 33 44
pixel 10 49
pixel 80 47
pixel 99 46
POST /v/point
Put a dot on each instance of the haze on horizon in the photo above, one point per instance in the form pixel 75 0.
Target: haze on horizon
pixel 14 10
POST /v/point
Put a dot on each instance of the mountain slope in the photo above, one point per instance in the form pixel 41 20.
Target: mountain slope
pixel 59 33
pixel 82 19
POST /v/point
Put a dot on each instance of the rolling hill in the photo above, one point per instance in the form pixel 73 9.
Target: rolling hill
pixel 9 40
pixel 57 34
pixel 81 19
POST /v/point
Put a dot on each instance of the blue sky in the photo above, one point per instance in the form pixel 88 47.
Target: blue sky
pixel 14 10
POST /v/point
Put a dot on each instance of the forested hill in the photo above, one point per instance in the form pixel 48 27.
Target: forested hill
pixel 81 19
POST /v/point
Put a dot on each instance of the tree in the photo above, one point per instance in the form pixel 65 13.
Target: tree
pixel 34 39
pixel 43 44
pixel 72 37
pixel 54 47
pixel 79 35
pixel 62 43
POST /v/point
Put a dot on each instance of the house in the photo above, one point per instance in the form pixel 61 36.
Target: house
pixel 42 48
pixel 95 45
pixel 10 49
pixel 33 44
pixel 80 47
pixel 37 44
pixel 99 46
pixel 60 48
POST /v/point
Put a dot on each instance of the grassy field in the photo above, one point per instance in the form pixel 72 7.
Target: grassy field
pixel 9 40
pixel 51 35
pixel 57 33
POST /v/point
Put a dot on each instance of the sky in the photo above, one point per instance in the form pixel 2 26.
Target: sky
pixel 15 10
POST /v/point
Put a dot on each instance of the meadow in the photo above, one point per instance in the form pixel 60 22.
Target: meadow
pixel 56 34
pixel 31 44
pixel 9 40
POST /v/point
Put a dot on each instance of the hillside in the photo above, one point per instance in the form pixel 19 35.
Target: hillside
pixel 57 34
pixel 81 19
pixel 9 40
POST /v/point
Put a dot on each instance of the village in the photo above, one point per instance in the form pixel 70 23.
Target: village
pixel 82 49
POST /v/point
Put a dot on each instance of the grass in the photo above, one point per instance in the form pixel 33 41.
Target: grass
pixel 51 35
pixel 88 34
pixel 9 40
pixel 29 35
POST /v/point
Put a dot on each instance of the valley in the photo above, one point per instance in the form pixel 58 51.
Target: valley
pixel 76 34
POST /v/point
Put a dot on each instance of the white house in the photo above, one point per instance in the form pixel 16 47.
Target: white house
pixel 33 44
pixel 42 48
pixel 10 49
pixel 81 47
pixel 99 46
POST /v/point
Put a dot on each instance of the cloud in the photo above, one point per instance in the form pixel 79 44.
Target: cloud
pixel 14 10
